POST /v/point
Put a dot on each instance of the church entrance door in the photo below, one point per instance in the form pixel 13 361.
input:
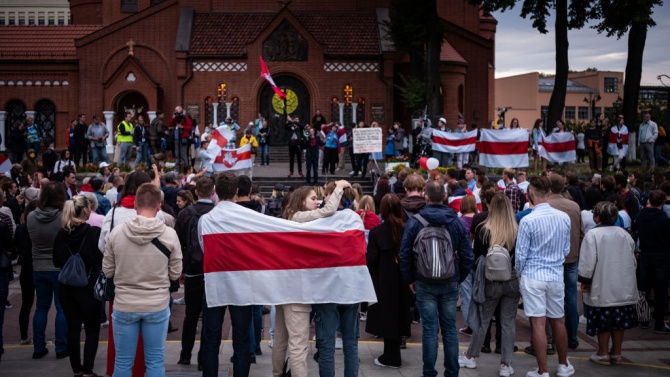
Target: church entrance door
pixel 272 107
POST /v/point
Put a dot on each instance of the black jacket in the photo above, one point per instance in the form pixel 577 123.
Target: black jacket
pixel 652 231
pixel 390 317
pixel 183 226
pixel 83 240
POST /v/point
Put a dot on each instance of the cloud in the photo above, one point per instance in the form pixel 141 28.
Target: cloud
pixel 522 49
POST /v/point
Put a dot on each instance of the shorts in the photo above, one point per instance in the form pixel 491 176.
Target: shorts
pixel 542 298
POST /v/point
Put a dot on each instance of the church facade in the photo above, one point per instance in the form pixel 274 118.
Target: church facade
pixel 145 55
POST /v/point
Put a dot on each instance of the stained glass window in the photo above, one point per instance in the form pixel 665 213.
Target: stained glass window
pixel 235 111
pixel 348 93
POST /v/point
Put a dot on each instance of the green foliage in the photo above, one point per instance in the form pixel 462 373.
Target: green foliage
pixel 657 110
pixel 617 16
pixel 412 91
pixel 576 126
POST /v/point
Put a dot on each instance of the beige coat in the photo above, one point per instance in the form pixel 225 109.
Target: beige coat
pixel 571 209
pixel 607 258
pixel 141 272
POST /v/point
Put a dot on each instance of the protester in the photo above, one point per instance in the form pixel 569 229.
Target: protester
pixel 7 254
pixel 80 307
pixel 142 255
pixel 390 317
pixel 607 272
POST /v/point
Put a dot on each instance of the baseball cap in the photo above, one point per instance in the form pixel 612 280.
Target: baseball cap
pixel 103 165
pixel 443 120
pixel 279 187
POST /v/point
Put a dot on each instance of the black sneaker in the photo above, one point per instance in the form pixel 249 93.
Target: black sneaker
pixel 184 362
pixel 62 355
pixel 529 350
pixel 486 349
pixel 39 355
pixel 403 343
pixel 551 349
pixel 573 345
pixel 258 351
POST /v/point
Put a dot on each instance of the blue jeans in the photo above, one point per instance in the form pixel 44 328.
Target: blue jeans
pixel 265 153
pixel 99 154
pixel 571 308
pixel 256 329
pixel 4 292
pixel 328 318
pixel 212 322
pixel 143 155
pixel 466 295
pixel 127 327
pixel 46 289
pixel 437 304
pixel 658 156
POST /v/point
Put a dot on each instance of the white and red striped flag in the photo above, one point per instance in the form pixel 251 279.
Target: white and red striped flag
pixel 228 159
pixel 5 165
pixel 254 259
pixel 503 148
pixel 454 142
pixel 618 136
pixel 558 147
pixel 265 73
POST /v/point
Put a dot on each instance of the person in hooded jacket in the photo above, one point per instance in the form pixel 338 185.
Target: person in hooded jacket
pixel 79 305
pixel 142 274
pixel 44 223
pixel 414 201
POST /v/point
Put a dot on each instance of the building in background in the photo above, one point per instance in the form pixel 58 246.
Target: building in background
pixel 143 55
pixel 34 12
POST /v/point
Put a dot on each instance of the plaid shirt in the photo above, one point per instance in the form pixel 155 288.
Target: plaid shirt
pixel 513 192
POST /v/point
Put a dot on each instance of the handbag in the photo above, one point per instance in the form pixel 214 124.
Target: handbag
pixel 286 372
pixel 73 272
pixel 103 290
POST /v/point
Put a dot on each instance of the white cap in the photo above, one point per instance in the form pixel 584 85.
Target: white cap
pixel 443 120
pixel 103 165
pixel 251 123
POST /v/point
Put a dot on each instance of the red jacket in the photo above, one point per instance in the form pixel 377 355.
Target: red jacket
pixel 370 220
pixel 187 125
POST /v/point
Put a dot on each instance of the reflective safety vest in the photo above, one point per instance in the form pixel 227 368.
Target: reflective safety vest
pixel 127 129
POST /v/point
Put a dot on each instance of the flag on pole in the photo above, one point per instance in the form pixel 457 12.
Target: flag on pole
pixel 503 148
pixel 454 142
pixel 254 259
pixel 268 77
pixel 558 147
pixel 227 159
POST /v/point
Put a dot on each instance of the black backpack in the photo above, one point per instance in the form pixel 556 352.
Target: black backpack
pixel 434 252
pixel 274 207
pixel 192 251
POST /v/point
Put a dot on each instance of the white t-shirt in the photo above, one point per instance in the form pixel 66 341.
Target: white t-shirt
pixel 111 195
pixel 587 220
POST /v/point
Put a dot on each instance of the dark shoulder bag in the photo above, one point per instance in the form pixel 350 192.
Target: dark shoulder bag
pixel 103 290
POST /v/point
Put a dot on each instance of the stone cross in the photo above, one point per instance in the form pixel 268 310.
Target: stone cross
pixel 130 45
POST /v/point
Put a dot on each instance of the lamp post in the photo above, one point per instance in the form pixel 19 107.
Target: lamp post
pixel 592 102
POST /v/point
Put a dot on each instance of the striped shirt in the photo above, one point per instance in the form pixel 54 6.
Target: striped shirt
pixel 542 244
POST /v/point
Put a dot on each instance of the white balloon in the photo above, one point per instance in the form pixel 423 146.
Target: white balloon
pixel 432 163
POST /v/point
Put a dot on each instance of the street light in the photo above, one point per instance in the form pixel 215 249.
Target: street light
pixel 659 79
pixel 592 101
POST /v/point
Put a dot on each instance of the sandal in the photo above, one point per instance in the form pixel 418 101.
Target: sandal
pixel 602 360
pixel 616 359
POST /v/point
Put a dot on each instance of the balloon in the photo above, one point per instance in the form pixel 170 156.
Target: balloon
pixel 422 162
pixel 432 163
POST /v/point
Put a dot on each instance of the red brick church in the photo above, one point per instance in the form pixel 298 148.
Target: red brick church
pixel 144 55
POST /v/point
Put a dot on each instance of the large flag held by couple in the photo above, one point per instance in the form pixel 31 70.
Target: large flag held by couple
pixel 559 147
pixel 228 159
pixel 454 142
pixel 251 258
pixel 503 148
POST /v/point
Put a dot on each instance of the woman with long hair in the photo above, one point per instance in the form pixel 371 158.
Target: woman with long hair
pixel 390 318
pixel 499 228
pixel 79 305
pixel 514 124
pixel 184 199
pixel 468 210
pixel 302 206
pixel 43 224
pixel 536 136
pixel 382 188
pixel 65 160
pixel 25 248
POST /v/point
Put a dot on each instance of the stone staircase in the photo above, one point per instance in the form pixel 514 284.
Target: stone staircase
pixel 266 184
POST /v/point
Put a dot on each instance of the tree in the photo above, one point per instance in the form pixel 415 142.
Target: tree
pixel 568 16
pixel 633 16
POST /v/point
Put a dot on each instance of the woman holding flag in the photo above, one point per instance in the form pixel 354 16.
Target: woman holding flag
pixel 617 147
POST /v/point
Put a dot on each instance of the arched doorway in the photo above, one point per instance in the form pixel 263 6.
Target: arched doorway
pixel 45 117
pixel 16 111
pixel 272 108
pixel 133 102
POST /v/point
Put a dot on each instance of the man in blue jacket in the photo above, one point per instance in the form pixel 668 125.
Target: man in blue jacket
pixel 436 300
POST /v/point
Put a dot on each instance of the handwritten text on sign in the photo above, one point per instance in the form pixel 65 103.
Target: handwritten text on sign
pixel 367 140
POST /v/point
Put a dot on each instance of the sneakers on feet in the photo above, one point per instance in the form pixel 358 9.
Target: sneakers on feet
pixel 663 330
pixel 179 301
pixel 363 316
pixel 535 373
pixel 505 370
pixel 602 360
pixel 26 342
pixel 464 362
pixel 379 364
pixel 271 342
pixel 338 343
pixel 566 370
pixel 467 331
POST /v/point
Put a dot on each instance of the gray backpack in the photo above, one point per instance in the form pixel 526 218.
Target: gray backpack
pixel 498 264
pixel 434 252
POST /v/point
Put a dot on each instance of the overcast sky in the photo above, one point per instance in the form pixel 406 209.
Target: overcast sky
pixel 522 49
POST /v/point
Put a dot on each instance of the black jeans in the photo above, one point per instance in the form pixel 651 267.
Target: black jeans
pixel 194 291
pixel 655 268
pixel 293 153
pixel 312 168
pixel 354 162
pixel 240 317
pixel 329 159
pixel 391 354
pixel 79 307
pixel 27 299
pixel 362 163
pixel 81 152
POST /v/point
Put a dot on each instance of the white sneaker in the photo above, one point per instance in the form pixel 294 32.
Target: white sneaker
pixel 363 316
pixel 582 320
pixel 506 370
pixel 464 362
pixel 379 364
pixel 179 301
pixel 271 342
pixel 534 373
pixel 105 324
pixel 26 342
pixel 351 173
pixel 565 370
pixel 338 343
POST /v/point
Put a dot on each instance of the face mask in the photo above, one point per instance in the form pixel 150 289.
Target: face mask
pixel 32 155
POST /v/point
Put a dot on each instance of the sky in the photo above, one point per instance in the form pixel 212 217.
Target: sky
pixel 522 49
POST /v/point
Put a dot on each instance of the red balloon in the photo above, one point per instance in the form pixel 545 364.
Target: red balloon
pixel 422 162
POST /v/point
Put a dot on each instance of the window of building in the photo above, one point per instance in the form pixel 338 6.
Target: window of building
pixel 611 85
pixel 235 111
pixel 16 111
pixel 129 6
pixel 221 98
pixel 61 18
pixel 52 19
pixel 45 117
pixel 583 113
pixel 41 19
pixel 360 110
pixel 11 18
pixel 569 112
pixel 334 109
pixel 2 21
pixel 22 18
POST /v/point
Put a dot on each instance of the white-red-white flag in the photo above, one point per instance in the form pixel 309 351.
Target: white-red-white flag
pixel 228 159
pixel 558 147
pixel 255 259
pixel 618 136
pixel 5 164
pixel 265 73
pixel 503 148
pixel 454 142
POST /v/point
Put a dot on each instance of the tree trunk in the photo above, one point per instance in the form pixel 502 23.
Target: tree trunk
pixel 637 37
pixel 433 48
pixel 557 101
